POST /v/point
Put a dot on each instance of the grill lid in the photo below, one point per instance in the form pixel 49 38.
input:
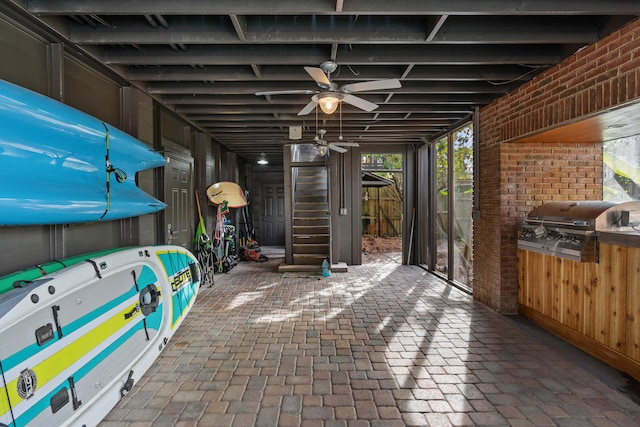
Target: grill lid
pixel 594 215
pixel 575 213
pixel 567 229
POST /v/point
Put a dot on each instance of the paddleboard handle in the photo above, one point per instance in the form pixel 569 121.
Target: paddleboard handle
pixel 55 310
pixel 128 385
pixel 130 314
pixel 95 267
pixel 74 396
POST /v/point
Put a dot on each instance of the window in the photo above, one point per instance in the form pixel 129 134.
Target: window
pixel 449 234
pixel 621 169
pixel 462 196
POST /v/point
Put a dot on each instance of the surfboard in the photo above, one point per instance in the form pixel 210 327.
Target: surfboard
pixel 229 192
pixel 59 165
pixel 75 341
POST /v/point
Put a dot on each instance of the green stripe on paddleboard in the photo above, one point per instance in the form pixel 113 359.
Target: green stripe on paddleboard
pixel 40 270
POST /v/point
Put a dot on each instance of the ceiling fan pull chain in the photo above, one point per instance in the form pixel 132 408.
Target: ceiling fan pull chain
pixel 340 136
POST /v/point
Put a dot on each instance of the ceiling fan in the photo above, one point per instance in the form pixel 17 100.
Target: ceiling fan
pixel 335 146
pixel 330 94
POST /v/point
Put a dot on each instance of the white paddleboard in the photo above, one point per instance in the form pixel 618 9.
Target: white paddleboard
pixel 74 342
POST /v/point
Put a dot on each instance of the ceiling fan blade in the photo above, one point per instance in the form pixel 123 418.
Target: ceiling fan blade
pixel 346 144
pixel 336 148
pixel 372 85
pixel 362 104
pixel 287 92
pixel 307 108
pixel 319 76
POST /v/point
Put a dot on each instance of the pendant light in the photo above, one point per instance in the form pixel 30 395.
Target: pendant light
pixel 262 160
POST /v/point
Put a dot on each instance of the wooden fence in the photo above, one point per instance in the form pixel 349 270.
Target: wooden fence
pixel 381 212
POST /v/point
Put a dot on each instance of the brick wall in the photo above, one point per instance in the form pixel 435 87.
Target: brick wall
pixel 514 176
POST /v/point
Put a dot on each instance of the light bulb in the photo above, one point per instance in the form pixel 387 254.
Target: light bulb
pixel 328 101
pixel 262 160
pixel 329 104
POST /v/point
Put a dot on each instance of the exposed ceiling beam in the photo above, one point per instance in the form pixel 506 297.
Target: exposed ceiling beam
pixel 226 88
pixel 293 110
pixel 289 74
pixel 438 101
pixel 357 54
pixel 237 29
pixel 438 22
pixel 319 7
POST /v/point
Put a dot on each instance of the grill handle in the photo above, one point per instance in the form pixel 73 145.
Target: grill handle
pixel 572 223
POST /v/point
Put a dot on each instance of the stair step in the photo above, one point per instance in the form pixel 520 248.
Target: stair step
pixel 306 192
pixel 310 248
pixel 311 207
pixel 315 177
pixel 312 201
pixel 309 222
pixel 310 229
pixel 301 198
pixel 310 213
pixel 309 259
pixel 307 172
pixel 311 240
pixel 312 190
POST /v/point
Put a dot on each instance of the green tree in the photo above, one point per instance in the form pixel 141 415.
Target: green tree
pixel 462 158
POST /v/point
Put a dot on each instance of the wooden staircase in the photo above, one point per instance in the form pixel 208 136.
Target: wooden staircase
pixel 311 216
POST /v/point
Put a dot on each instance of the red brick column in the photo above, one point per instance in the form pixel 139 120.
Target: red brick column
pixel 514 176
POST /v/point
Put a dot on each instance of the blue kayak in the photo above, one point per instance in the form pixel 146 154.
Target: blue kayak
pixel 59 165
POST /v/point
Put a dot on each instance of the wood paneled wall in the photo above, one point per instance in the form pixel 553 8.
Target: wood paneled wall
pixel 595 306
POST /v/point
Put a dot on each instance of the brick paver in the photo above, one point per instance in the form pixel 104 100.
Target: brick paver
pixel 382 345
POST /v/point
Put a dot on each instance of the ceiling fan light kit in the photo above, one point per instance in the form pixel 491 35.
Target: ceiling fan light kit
pixel 330 95
pixel 321 150
pixel 323 146
pixel 328 101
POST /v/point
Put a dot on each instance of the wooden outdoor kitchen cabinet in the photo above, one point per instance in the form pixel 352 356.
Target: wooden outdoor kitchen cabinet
pixel 593 305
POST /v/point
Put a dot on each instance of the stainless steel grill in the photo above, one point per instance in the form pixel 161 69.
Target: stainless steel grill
pixel 569 229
